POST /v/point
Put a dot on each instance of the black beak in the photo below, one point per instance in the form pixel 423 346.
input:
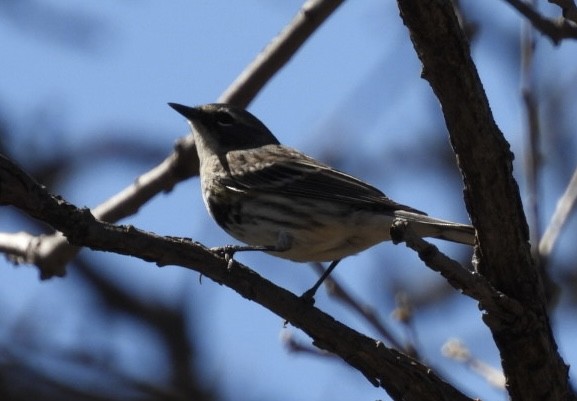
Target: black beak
pixel 191 113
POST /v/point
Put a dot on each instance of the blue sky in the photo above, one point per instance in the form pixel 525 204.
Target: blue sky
pixel 351 96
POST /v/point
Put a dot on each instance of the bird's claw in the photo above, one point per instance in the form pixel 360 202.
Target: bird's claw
pixel 227 252
pixel 308 297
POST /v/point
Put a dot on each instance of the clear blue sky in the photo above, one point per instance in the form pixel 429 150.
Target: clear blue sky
pixel 351 96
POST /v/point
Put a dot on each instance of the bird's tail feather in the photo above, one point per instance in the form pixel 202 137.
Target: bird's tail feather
pixel 426 226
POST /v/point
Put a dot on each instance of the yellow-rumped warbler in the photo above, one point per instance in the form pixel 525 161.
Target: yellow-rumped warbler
pixel 277 199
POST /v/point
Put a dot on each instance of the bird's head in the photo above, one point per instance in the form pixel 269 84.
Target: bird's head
pixel 223 127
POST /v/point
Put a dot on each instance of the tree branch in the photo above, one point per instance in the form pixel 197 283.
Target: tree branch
pixel 278 52
pixel 531 363
pixel 401 376
pixel 569 9
pixel 51 253
pixel 565 208
pixel 555 30
pixel 469 283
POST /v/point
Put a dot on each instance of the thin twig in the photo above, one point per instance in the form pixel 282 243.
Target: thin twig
pixel 533 159
pixel 335 289
pixel 469 283
pixel 456 350
pixel 565 207
pixel 533 154
pixel 555 30
pixel 569 9
pixel 278 52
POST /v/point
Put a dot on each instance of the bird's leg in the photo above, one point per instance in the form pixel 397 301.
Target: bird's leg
pixel 284 242
pixel 228 251
pixel 309 294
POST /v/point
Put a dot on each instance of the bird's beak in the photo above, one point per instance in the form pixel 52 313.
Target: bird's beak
pixel 191 113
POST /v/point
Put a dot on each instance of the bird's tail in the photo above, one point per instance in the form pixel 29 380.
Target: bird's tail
pixel 426 226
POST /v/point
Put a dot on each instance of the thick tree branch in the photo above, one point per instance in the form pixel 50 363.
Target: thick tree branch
pixel 531 363
pixel 51 253
pixel 402 377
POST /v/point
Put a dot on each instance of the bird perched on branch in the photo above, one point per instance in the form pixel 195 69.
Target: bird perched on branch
pixel 279 200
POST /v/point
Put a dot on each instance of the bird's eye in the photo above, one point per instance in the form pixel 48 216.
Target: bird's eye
pixel 224 119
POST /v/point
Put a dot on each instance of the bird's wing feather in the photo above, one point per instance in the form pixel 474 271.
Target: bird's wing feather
pixel 295 174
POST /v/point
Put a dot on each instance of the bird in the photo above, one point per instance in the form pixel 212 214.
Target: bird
pixel 276 199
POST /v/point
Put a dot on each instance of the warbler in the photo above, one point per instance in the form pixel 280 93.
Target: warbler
pixel 277 199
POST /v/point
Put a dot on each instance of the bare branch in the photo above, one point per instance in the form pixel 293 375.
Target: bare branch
pixel 53 252
pixel 335 289
pixel 569 8
pixel 469 283
pixel 401 376
pixel 555 30
pixel 565 207
pixel 457 351
pixel 278 52
pixel 532 129
pixel 531 361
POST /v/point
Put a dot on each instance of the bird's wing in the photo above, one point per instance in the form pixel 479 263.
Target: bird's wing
pixel 295 174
